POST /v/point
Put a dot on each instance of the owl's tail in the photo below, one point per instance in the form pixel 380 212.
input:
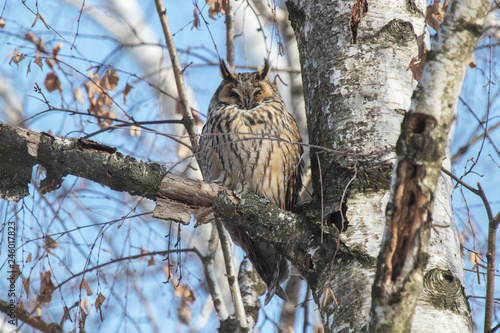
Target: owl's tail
pixel 280 274
pixel 272 267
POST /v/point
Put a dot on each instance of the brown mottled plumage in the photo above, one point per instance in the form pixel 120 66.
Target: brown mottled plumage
pixel 244 148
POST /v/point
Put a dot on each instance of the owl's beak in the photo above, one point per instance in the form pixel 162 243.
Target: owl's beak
pixel 247 103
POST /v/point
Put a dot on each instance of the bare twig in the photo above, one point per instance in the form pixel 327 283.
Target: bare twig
pixel 213 286
pixel 187 116
pixel 137 256
pixel 239 308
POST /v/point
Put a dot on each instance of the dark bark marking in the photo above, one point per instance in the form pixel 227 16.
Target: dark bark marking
pixel 359 9
pixel 309 262
pixel 89 145
pixel 398 32
pixel 335 219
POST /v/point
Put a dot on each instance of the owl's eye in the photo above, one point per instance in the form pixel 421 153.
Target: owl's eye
pixel 257 93
pixel 234 93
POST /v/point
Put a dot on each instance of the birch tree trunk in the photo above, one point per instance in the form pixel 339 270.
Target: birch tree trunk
pixel 354 58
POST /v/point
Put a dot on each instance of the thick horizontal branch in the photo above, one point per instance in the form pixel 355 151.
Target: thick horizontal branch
pixel 22 149
pixel 295 236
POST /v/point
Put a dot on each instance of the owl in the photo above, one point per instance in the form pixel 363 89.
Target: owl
pixel 250 143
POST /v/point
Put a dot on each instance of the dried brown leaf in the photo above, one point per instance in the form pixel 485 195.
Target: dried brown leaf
pixel 56 49
pixel 104 101
pixel 16 271
pixel 184 293
pixel 46 287
pixel 86 286
pixel 216 7
pixel 30 37
pixel 16 58
pixel 93 75
pixel 49 243
pixel 151 261
pixel 110 80
pixel 28 70
pixel 103 123
pixel 29 258
pixel 83 316
pixel 26 285
pixel 78 94
pixel 50 62
pixel 125 92
pixel 166 269
pixel 2 23
pixel 52 82
pixel 472 63
pixel 143 251
pixel 85 305
pixel 98 303
pixel 91 89
pixel 417 65
pixel 434 13
pixel 196 19
pixel 38 60
pixel 40 46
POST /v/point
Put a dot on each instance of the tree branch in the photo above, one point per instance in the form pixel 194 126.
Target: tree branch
pixel 30 320
pixel 230 35
pixel 239 309
pixel 187 115
pixel 21 149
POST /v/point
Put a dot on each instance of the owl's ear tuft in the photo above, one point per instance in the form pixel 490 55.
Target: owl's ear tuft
pixel 226 74
pixel 263 72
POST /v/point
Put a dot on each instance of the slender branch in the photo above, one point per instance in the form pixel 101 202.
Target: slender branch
pixel 230 35
pixel 461 182
pixel 491 252
pixel 213 286
pixel 137 256
pixel 187 115
pixel 490 275
pixel 239 308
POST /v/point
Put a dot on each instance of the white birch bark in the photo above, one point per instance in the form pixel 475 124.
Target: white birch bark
pixel 356 97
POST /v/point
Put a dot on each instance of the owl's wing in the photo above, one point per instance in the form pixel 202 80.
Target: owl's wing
pixel 295 164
